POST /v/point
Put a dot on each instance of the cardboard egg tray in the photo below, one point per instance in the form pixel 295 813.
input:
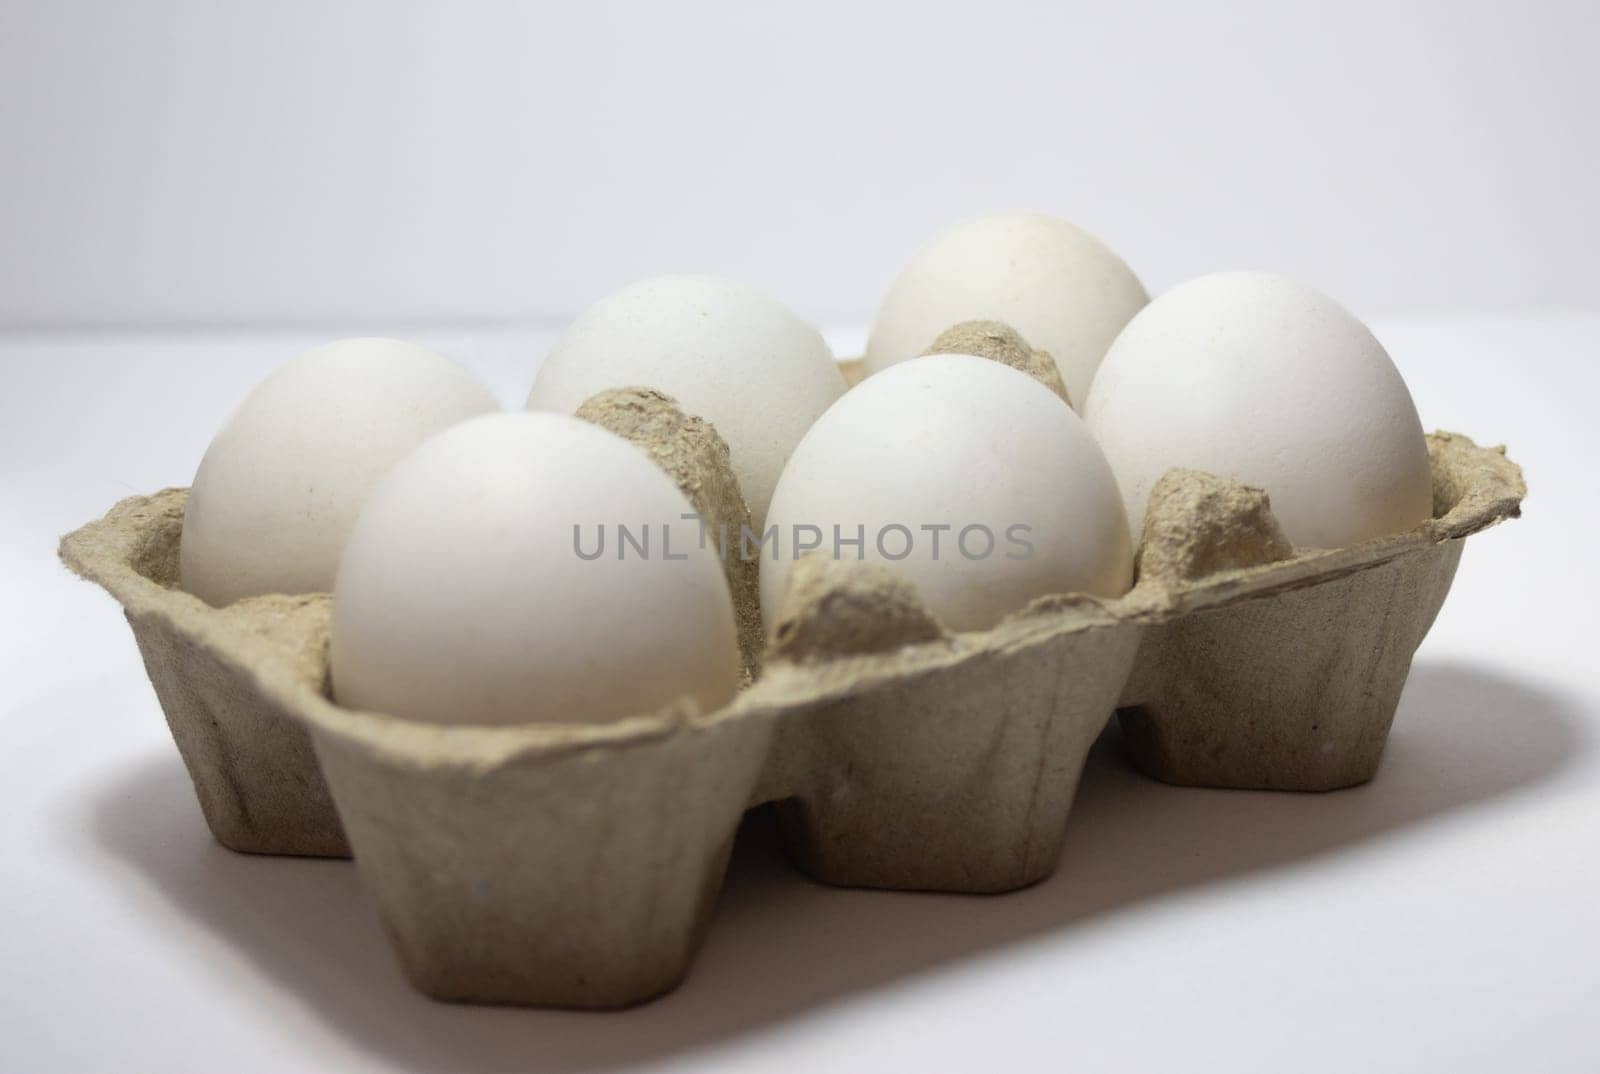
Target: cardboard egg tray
pixel 577 865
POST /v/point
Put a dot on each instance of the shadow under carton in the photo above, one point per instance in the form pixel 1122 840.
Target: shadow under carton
pixel 576 865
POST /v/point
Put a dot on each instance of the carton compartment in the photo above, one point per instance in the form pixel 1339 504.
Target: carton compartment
pixel 1294 691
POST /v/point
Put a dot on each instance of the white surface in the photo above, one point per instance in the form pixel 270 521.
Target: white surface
pixel 1446 917
pixel 186 159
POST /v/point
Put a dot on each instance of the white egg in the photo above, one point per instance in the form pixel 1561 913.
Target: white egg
pixel 971 479
pixel 487 582
pixel 1251 376
pixel 726 353
pixel 282 482
pixel 1057 285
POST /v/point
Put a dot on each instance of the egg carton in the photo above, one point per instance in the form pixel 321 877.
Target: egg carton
pixel 577 865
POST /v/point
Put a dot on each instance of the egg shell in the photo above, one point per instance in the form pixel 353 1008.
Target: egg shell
pixel 725 352
pixel 1251 376
pixel 462 596
pixel 956 441
pixel 1057 285
pixel 283 480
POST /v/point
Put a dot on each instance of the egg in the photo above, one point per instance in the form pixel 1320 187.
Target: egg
pixel 1057 285
pixel 1254 377
pixel 725 352
pixel 282 481
pixel 523 568
pixel 971 479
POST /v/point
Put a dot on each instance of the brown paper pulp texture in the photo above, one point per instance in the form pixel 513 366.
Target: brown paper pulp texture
pixel 575 865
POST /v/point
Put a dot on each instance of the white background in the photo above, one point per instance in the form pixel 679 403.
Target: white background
pixel 192 192
pixel 390 161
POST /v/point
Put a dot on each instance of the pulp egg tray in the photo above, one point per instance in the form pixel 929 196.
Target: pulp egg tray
pixel 577 865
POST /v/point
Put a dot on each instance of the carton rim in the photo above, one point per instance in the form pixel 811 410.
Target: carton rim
pixel 104 551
